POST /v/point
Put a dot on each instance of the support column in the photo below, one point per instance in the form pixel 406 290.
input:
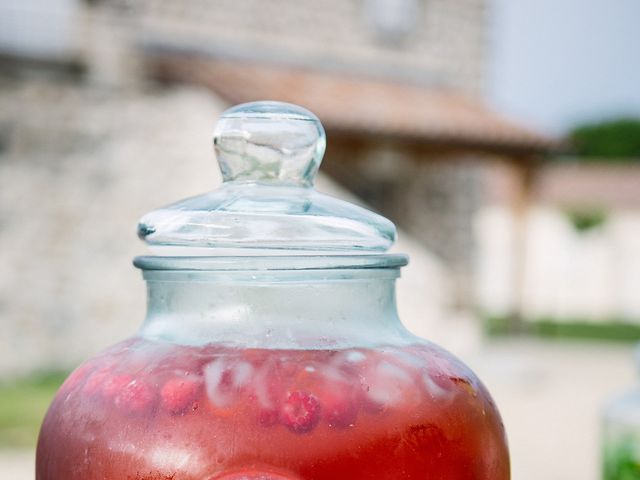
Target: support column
pixel 524 174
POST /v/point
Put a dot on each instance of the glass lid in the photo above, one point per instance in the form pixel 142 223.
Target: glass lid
pixel 269 154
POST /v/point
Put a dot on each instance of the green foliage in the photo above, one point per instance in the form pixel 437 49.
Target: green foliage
pixel 584 220
pixel 23 404
pixel 606 330
pixel 621 462
pixel 612 140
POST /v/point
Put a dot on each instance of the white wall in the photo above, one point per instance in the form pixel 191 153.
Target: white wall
pixel 569 275
pixel 556 62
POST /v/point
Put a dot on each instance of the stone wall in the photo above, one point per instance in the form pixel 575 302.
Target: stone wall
pixel 440 42
pixel 78 166
pixel 434 42
pixel 433 195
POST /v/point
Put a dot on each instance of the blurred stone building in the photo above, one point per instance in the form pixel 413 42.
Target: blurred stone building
pixel 87 123
pixel 397 84
pixel 437 43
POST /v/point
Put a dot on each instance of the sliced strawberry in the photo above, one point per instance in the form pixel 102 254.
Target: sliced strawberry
pixel 114 384
pixel 95 381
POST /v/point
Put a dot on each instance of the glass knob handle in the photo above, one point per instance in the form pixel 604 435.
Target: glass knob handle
pixel 269 142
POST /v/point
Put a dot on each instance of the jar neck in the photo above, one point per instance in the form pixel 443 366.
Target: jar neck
pixel 274 309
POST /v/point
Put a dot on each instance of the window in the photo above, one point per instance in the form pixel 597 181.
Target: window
pixel 392 21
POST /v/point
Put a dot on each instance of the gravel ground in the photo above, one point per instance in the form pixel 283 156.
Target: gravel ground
pixel 17 464
pixel 551 396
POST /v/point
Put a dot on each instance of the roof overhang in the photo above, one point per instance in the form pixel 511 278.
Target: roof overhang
pixel 356 105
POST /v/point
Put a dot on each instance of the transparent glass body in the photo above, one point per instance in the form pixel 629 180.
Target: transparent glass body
pixel 621 437
pixel 263 373
pixel 272 348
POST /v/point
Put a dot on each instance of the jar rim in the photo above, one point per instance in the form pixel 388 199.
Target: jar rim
pixel 271 263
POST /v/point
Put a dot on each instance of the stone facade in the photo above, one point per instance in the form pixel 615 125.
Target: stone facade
pixel 79 165
pixel 432 194
pixel 434 42
pixel 94 159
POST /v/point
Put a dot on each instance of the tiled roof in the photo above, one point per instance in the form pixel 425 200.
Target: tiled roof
pixel 357 105
pixel 607 186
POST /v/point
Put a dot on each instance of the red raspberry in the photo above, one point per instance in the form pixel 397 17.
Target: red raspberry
pixel 95 382
pixel 115 384
pixel 179 395
pixel 76 377
pixel 300 412
pixel 136 397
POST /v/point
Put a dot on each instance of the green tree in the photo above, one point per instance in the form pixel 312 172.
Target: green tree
pixel 611 140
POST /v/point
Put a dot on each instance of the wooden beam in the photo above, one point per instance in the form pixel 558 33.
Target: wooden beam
pixel 524 169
